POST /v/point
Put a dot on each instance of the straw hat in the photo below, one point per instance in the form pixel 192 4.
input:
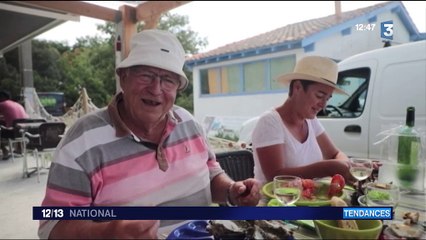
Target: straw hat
pixel 157 48
pixel 314 68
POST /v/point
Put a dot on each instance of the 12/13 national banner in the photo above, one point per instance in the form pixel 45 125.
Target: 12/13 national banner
pixel 211 213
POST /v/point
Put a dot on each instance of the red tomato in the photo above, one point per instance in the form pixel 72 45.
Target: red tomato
pixel 308 184
pixel 308 188
pixel 339 179
pixel 308 193
pixel 337 184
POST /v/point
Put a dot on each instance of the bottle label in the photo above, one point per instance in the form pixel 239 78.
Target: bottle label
pixel 408 147
pixel 414 152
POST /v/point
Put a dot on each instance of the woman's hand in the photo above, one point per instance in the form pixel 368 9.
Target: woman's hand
pixel 342 167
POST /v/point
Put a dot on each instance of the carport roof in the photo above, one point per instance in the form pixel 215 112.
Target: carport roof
pixel 24 20
pixel 21 22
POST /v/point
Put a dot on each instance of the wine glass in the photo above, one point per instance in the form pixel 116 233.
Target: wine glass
pixel 361 169
pixel 382 195
pixel 287 189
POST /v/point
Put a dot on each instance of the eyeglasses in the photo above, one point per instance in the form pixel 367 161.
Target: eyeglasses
pixel 145 77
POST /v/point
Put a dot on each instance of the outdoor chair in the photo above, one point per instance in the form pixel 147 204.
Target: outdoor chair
pixel 46 141
pixel 239 165
pixel 3 138
pixel 15 135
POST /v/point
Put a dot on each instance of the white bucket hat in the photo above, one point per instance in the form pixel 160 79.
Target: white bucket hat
pixel 314 68
pixel 157 48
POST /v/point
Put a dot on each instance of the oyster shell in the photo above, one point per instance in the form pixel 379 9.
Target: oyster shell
pixel 253 229
pixel 226 229
pixel 271 229
pixel 412 217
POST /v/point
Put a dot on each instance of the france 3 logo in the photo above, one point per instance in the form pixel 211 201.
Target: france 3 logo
pixel 386 30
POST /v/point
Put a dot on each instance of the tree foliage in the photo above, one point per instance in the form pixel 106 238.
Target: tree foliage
pixel 90 63
pixel 9 75
pixel 47 74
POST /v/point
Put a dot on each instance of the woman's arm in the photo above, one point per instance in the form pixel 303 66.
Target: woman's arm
pixel 328 149
pixel 272 162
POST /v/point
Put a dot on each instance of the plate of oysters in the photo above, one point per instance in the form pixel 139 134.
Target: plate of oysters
pixel 409 228
pixel 231 229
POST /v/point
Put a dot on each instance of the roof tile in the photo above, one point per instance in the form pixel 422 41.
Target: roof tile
pixel 288 33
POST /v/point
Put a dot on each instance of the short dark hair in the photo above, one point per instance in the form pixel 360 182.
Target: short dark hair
pixel 305 85
pixel 4 95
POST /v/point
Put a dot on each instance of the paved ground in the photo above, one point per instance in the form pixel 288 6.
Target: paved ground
pixel 17 197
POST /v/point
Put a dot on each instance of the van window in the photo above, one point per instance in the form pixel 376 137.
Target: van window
pixel 355 83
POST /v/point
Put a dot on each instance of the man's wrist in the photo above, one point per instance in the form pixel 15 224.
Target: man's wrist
pixel 229 201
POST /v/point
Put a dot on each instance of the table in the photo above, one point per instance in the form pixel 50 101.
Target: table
pixel 29 125
pixel 410 202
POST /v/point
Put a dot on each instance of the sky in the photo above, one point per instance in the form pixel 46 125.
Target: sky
pixel 224 22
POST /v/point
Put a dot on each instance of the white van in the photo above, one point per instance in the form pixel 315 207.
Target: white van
pixel 382 83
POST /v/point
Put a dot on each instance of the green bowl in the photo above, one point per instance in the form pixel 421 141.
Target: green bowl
pixel 268 191
pixel 368 229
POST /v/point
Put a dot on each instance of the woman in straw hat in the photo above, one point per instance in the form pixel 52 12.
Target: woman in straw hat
pixel 289 140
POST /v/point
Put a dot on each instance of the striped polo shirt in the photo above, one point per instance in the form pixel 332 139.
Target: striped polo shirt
pixel 100 162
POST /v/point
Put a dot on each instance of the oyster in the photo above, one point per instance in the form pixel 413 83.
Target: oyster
pixel 412 217
pixel 240 229
pixel 272 229
pixel 406 231
pixel 226 229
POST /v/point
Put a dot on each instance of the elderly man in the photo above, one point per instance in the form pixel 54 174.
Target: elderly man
pixel 141 150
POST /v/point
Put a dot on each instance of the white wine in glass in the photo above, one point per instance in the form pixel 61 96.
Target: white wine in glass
pixel 382 195
pixel 361 168
pixel 287 189
pixel 379 196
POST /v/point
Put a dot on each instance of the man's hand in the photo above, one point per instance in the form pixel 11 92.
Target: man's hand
pixel 245 193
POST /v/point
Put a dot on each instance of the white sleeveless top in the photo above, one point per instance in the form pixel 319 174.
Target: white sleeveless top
pixel 270 130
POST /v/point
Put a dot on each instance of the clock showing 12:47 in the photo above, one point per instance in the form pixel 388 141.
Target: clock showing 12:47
pixel 365 27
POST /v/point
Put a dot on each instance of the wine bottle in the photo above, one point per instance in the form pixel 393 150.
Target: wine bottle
pixel 408 150
pixel 408 140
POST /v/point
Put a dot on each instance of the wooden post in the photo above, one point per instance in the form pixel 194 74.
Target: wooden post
pixel 125 29
pixel 85 101
pixel 128 28
pixel 118 55
pixel 338 9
